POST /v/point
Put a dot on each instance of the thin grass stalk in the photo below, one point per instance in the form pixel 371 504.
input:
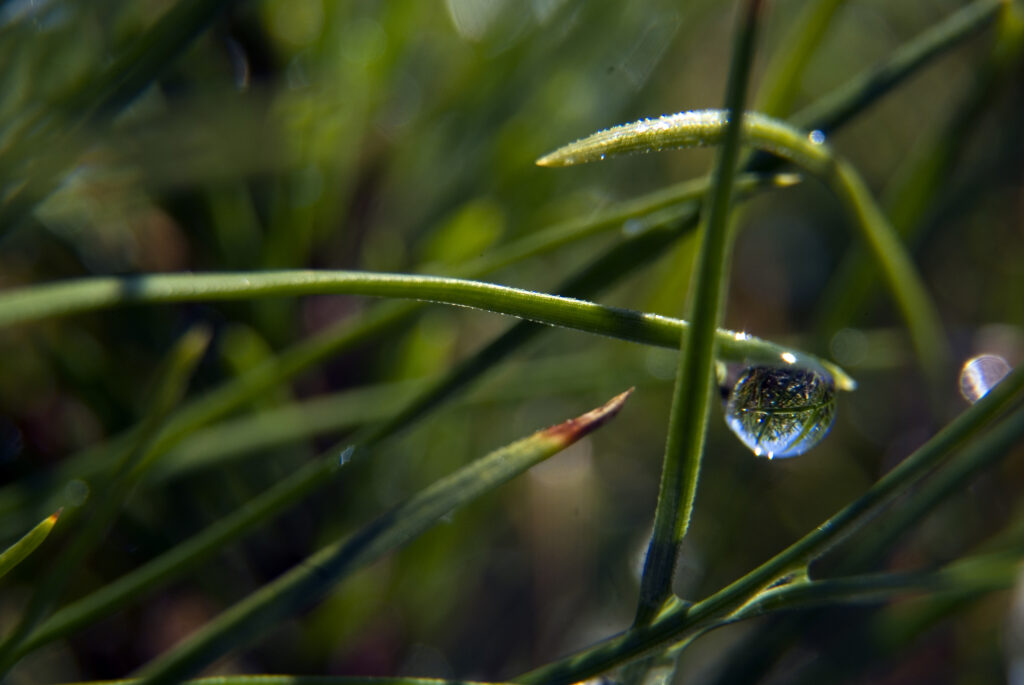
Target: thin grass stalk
pixel 691 399
pixel 840 105
pixel 675 623
pixel 788 63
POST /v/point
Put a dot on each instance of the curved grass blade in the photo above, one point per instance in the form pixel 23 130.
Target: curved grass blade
pixel 695 375
pixel 310 579
pixel 102 292
pixel 707 127
pixel 96 515
pixel 18 551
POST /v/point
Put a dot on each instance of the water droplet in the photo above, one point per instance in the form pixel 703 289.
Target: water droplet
pixel 346 455
pixel 980 374
pixel 781 412
pixel 816 137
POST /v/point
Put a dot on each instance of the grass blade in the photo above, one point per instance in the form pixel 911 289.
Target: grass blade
pixel 312 578
pixel 789 62
pixel 841 105
pixel 18 551
pixel 708 127
pixel 691 398
pixel 101 292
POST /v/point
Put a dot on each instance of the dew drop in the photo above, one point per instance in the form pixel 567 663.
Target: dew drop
pixel 779 411
pixel 76 492
pixel 346 455
pixel 816 137
pixel 980 374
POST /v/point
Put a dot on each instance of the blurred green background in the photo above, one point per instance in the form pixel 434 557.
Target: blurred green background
pixel 400 136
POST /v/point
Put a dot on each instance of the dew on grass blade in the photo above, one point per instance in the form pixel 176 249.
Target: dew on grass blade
pixel 980 374
pixel 781 411
pixel 346 455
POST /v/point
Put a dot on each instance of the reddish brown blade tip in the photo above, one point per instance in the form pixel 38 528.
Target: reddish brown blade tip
pixel 572 430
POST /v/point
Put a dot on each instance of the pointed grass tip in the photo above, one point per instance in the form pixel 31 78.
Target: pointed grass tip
pixel 572 430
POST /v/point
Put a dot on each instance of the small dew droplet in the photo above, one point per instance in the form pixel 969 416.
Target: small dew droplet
pixel 76 492
pixel 980 374
pixel 781 412
pixel 346 455
pixel 816 137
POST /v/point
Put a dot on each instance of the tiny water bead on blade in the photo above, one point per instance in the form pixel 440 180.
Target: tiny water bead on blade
pixel 980 374
pixel 780 411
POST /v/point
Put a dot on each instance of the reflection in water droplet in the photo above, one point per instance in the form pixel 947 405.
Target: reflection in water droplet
pixel 816 137
pixel 346 455
pixel 981 374
pixel 781 412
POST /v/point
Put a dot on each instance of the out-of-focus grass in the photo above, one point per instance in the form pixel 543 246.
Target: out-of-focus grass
pixel 401 136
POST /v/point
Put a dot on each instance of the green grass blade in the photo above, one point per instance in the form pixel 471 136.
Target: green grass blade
pixel 18 551
pixel 691 399
pixel 650 206
pixel 839 106
pixel 675 623
pixel 108 497
pixel 184 556
pixel 309 580
pixel 96 293
pixel 708 127
pixel 790 60
pixel 916 305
